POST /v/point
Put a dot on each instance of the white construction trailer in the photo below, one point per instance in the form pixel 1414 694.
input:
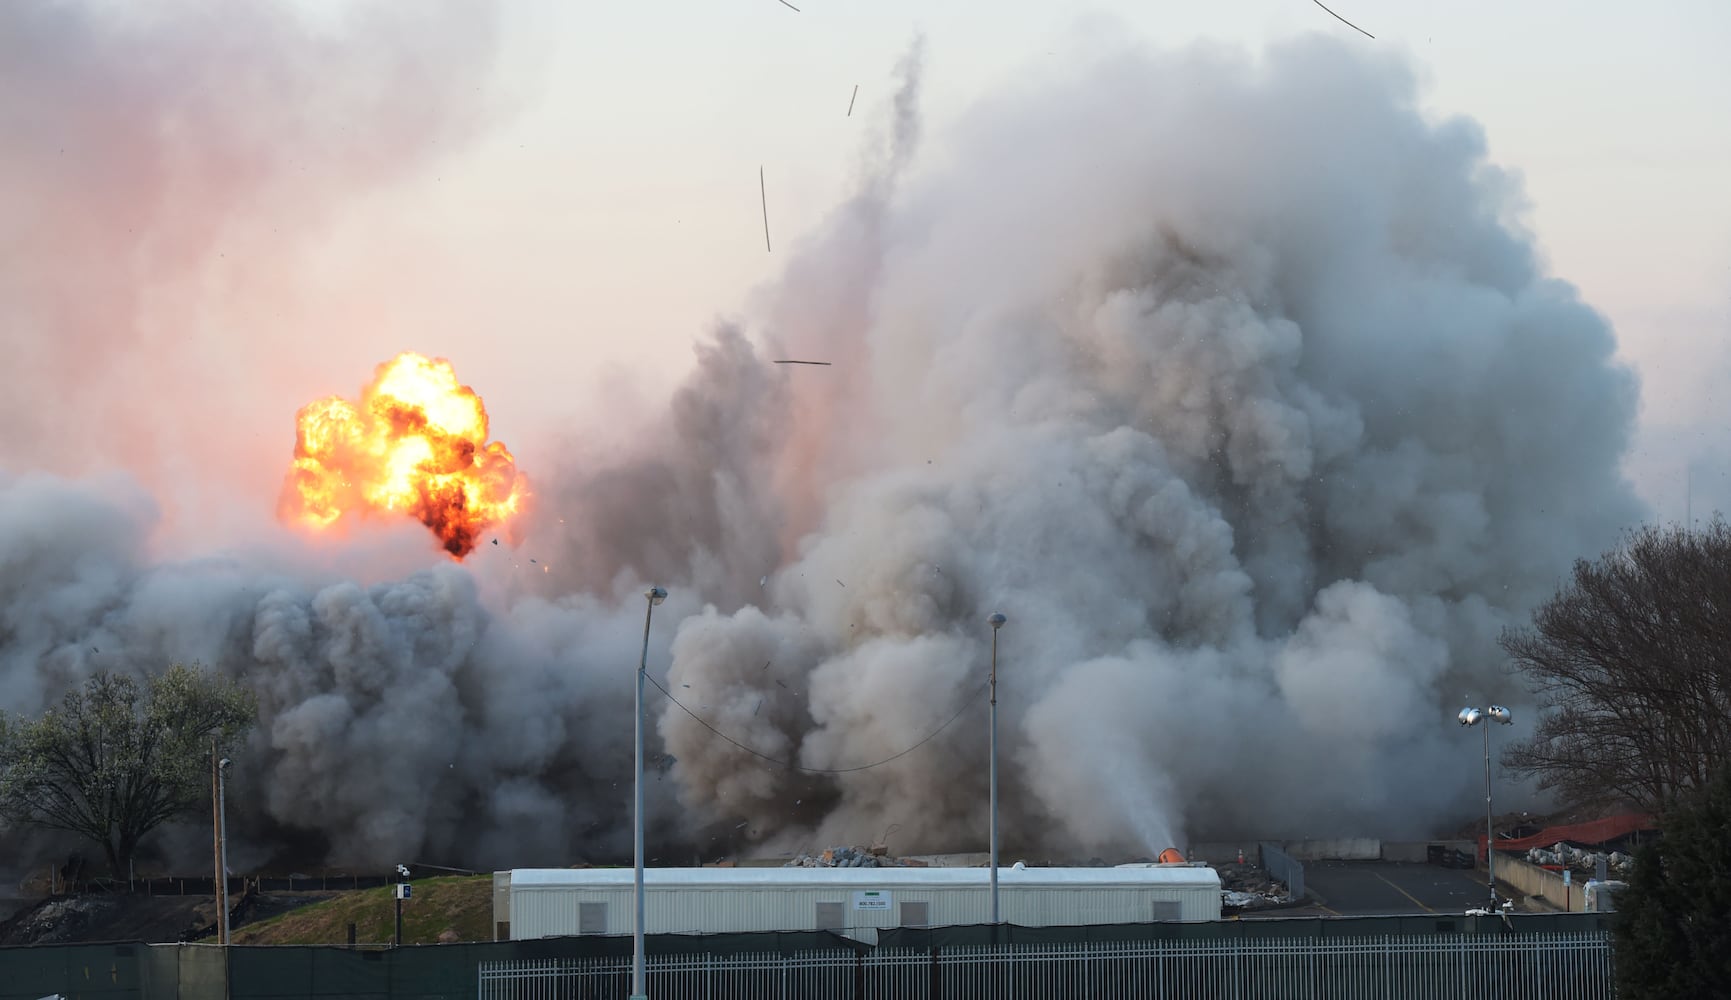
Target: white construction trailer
pixel 533 903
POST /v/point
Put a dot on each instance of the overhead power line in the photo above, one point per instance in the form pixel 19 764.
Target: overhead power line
pixel 1343 20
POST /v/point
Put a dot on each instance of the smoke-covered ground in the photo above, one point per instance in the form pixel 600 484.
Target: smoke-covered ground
pixel 1232 380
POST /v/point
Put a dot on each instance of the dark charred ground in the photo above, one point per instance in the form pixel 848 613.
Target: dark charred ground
pixel 134 917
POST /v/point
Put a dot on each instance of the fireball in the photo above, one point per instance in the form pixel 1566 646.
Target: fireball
pixel 415 445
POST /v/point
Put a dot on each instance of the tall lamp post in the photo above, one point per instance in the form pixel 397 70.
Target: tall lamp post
pixel 218 768
pixel 997 622
pixel 655 595
pixel 1472 717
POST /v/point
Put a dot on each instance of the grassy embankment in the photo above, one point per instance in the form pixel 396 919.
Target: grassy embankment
pixel 463 904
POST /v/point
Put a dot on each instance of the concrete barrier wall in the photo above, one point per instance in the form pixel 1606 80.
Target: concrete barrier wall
pixel 1221 852
pixel 1419 850
pixel 1336 849
pixel 1532 880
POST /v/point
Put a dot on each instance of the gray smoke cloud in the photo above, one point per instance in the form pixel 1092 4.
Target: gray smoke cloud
pixel 1236 383
pixel 404 720
pixel 1233 381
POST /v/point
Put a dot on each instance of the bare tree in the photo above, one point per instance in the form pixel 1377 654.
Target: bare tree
pixel 1633 660
pixel 116 759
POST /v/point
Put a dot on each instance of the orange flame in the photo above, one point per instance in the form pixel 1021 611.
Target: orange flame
pixel 416 445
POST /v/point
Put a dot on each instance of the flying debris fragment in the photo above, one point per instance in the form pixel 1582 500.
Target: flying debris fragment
pixel 763 196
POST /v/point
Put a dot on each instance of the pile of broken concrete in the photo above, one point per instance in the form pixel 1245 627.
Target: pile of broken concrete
pixel 853 857
pixel 1249 887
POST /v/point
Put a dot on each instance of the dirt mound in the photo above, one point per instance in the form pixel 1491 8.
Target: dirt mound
pixel 139 917
pixel 153 919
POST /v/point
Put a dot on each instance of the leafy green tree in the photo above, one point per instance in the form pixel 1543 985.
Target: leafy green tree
pixel 116 759
pixel 1673 926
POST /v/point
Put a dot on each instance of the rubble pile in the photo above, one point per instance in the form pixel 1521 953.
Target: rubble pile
pixel 1249 887
pixel 1577 859
pixel 852 857
pixel 59 920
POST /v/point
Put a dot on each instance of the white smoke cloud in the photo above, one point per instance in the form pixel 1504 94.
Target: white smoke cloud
pixel 1232 381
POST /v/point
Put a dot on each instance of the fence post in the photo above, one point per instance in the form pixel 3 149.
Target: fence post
pixel 1238 968
pixel 1461 945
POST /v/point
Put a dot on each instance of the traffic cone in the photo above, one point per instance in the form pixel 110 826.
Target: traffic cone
pixel 1241 855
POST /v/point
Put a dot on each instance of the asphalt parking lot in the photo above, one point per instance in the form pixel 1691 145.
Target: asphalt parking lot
pixel 1381 888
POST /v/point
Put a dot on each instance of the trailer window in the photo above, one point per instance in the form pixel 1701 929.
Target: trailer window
pixel 829 917
pixel 915 914
pixel 591 918
pixel 1165 909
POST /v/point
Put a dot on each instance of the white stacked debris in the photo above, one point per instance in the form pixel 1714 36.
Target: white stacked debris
pixel 847 857
pixel 1577 859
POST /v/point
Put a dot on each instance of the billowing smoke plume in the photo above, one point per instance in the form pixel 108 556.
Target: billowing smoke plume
pixel 1237 386
pixel 1234 383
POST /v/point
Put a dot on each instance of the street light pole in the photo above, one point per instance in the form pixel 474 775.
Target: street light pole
pixel 997 622
pixel 654 595
pixel 1472 717
pixel 219 842
pixel 222 847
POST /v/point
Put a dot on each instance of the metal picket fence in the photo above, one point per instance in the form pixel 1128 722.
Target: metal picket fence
pixel 1573 965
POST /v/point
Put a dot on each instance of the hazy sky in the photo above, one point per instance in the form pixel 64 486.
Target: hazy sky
pixel 602 209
